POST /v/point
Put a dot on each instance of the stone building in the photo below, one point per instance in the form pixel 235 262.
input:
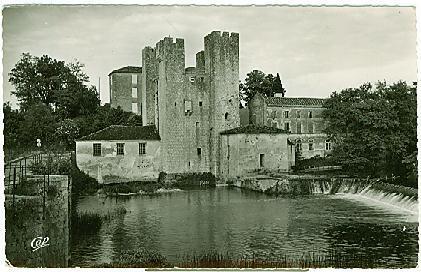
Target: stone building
pixel 120 154
pixel 188 106
pixel 125 89
pixel 301 116
pixel 251 148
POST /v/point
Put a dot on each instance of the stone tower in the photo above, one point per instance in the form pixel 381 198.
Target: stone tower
pixel 222 70
pixel 149 86
pixel 171 121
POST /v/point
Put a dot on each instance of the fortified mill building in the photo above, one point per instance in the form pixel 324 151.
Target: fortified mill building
pixel 190 118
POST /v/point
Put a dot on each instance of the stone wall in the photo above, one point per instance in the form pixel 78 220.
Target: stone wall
pixel 112 168
pixel 28 217
pixel 149 86
pixel 242 153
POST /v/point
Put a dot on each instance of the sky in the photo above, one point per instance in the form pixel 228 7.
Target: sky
pixel 316 50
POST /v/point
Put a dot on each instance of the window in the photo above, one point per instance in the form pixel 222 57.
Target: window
pixel 286 126
pixel 97 149
pixel 134 92
pixel 298 146
pixel 310 114
pixel 187 107
pixel 310 128
pixel 261 160
pixel 298 127
pixel 134 79
pixel 120 149
pixel 274 124
pixel 298 114
pixel 200 103
pixel 199 151
pixel 328 145
pixel 191 79
pixel 134 107
pixel 310 145
pixel 142 148
pixel 226 116
pixel 286 114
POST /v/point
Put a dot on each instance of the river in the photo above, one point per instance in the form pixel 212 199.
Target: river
pixel 247 224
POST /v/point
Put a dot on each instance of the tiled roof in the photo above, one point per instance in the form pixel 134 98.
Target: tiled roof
pixel 127 69
pixel 251 129
pixel 294 101
pixel 124 133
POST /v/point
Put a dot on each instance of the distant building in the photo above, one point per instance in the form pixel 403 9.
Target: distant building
pixel 125 91
pixel 301 116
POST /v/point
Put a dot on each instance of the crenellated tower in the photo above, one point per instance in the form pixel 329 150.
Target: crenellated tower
pixel 222 69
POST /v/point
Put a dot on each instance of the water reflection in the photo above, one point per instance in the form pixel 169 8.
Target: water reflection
pixel 245 224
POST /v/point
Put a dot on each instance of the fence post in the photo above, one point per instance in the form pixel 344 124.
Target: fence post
pixel 13 188
pixel 43 198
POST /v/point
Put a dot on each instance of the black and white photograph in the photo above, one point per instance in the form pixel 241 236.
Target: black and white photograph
pixel 209 136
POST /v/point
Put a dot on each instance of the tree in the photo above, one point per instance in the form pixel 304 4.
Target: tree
pixel 54 83
pixel 67 131
pixel 257 82
pixel 12 120
pixel 373 129
pixel 277 85
pixel 38 123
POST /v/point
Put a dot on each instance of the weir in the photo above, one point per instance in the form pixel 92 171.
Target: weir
pixel 394 198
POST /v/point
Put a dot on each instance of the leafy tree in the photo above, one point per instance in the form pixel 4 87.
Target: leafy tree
pixel 38 123
pixel 257 82
pixel 54 83
pixel 12 120
pixel 374 129
pixel 67 131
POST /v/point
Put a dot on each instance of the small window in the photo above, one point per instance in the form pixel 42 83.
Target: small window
pixel 299 127
pixel 134 107
pixel 142 148
pixel 187 107
pixel 328 145
pixel 120 149
pixel 274 124
pixel 199 151
pixel 310 114
pixel 97 149
pixel 286 126
pixel 262 160
pixel 310 128
pixel 286 114
pixel 226 116
pixel 310 145
pixel 298 146
pixel 191 79
pixel 134 92
pixel 134 79
pixel 200 103
pixel 298 114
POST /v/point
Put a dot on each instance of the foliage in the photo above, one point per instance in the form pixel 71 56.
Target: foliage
pixel 257 82
pixel 374 129
pixel 12 119
pixel 53 83
pixel 38 123
pixel 67 131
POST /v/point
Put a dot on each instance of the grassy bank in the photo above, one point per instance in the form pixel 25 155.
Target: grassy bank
pixel 153 259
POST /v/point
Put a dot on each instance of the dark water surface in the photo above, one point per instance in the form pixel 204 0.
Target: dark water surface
pixel 245 224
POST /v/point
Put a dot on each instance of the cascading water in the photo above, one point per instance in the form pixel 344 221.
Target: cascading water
pixel 389 197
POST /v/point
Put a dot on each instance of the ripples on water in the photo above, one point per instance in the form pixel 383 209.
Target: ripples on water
pixel 246 224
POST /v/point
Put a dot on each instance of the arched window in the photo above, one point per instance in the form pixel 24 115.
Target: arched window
pixel 328 145
pixel 226 116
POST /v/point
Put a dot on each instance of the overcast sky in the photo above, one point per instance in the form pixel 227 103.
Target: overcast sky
pixel 316 50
